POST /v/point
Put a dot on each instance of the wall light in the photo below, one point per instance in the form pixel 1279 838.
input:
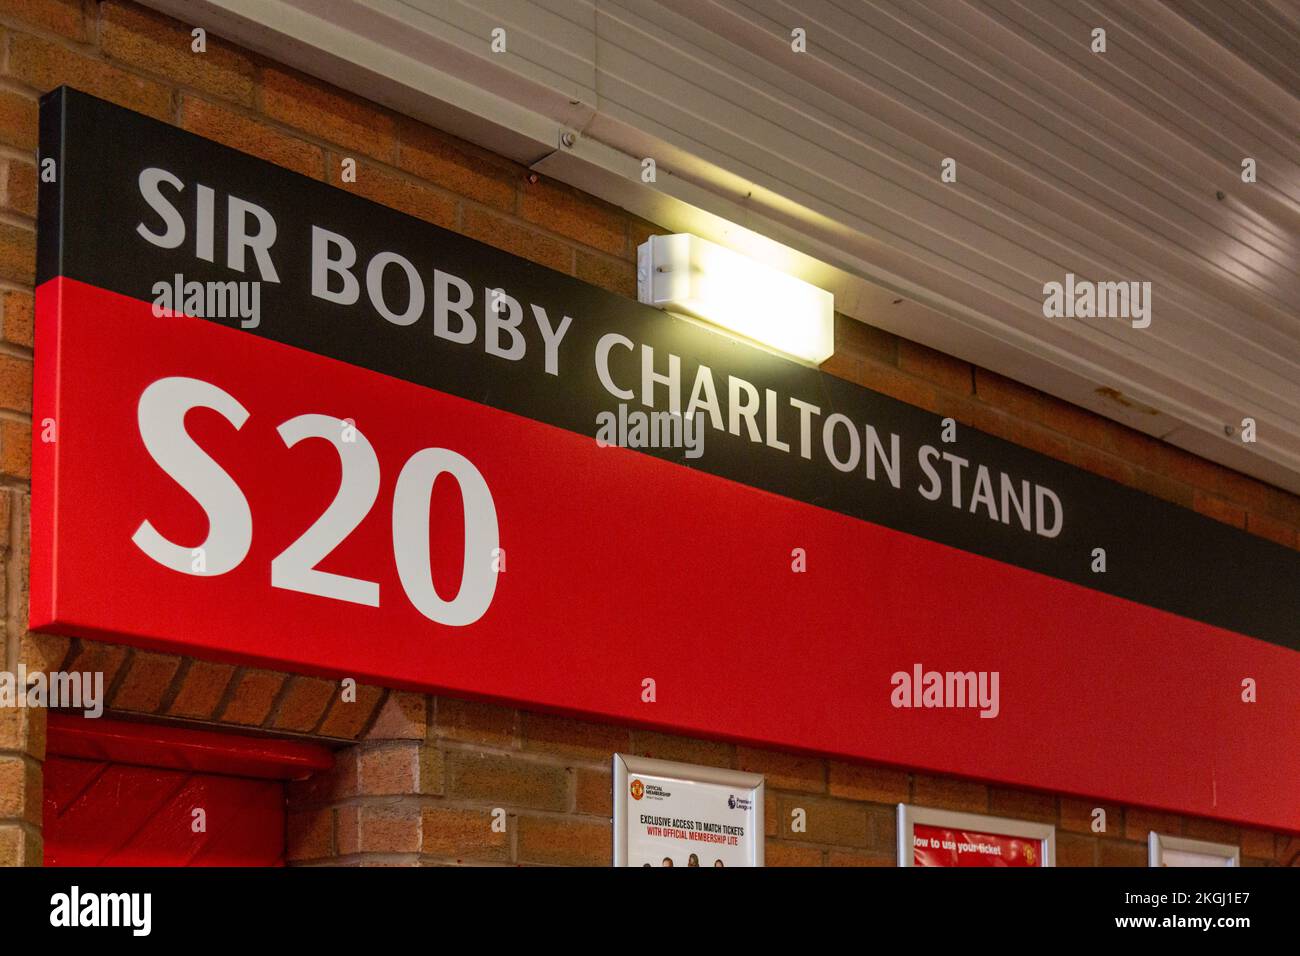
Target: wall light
pixel 687 274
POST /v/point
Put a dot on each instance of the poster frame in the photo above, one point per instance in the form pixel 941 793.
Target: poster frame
pixel 626 765
pixel 909 815
pixel 1158 843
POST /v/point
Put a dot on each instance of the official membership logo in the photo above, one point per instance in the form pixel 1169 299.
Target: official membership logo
pixel 638 789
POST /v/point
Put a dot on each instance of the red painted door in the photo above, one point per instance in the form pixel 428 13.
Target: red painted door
pixel 120 794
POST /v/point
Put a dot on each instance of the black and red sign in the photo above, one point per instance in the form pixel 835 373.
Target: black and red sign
pixel 375 456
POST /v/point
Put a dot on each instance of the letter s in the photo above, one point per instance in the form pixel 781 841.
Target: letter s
pixel 171 217
pixel 161 416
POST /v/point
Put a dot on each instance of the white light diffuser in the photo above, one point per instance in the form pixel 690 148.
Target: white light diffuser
pixel 687 274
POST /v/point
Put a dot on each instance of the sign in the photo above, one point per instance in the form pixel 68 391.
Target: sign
pixel 929 837
pixel 1180 851
pixel 677 814
pixel 388 452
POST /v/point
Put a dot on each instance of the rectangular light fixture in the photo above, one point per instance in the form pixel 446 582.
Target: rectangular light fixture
pixel 684 273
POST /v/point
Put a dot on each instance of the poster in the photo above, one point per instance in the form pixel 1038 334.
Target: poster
pixel 943 838
pixel 1180 851
pixel 673 814
pixel 939 846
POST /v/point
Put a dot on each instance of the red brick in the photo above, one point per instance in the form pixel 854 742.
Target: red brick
pixel 19 318
pixel 338 783
pixel 45 65
pixel 1075 850
pixel 1258 843
pixel 390 828
pixel 836 822
pixel 778 853
pixel 710 753
pixel 506 780
pixel 148 677
pixel 309 834
pixel 15 383
pixel 784 771
pixel 64 17
pixel 857 340
pixel 96 657
pixel 19 188
pixel 153 43
pixel 475 722
pixel 593 792
pixel 255 692
pixel 389 769
pixel 201 689
pixel 251 136
pixel 1100 463
pixel 22 730
pixel 43 652
pixel 1213 830
pixel 1121 853
pixel 944 370
pixel 613 275
pixel 15 449
pixel 841 858
pixel 564 841
pixel 328 113
pixel 396 191
pixel 20 789
pixel 17 254
pixel 347 718
pixel 1139 822
pixel 402 716
pixel 516 238
pixel 562 209
pixel 1219 510
pixel 1163 487
pixel 949 794
pixel 304 703
pixel 905 388
pixel 462 835
pixel 347 830
pixel 18 847
pixel 1076 816
pixel 547 733
pixel 1022 805
pixel 19 126
pixel 639 232
pixel 456 166
pixel 1266 527
pixel 873 784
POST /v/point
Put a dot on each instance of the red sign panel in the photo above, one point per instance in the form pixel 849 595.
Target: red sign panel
pixel 601 586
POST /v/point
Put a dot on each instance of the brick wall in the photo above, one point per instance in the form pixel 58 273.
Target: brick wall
pixel 420 777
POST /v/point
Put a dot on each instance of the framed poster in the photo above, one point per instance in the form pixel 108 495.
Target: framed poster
pixel 680 814
pixel 1179 851
pixel 930 837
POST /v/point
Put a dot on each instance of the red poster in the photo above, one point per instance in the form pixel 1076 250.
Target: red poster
pixel 937 846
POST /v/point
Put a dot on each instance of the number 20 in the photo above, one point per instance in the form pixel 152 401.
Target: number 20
pixel 161 418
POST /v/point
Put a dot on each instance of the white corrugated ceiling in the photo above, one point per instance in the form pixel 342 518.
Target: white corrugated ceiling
pixel 1117 166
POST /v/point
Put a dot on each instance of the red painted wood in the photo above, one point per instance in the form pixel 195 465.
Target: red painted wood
pixel 110 814
pixel 124 794
pixel 184 749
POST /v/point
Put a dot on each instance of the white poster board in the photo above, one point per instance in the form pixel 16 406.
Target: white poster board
pixel 678 814
pixel 1179 851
